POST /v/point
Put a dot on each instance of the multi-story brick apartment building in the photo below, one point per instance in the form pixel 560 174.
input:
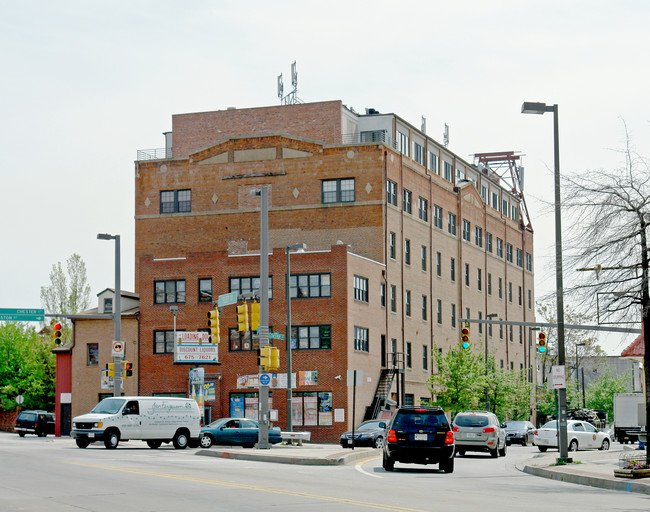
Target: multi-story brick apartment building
pixel 404 238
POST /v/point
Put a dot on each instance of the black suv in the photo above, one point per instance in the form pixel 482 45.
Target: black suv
pixel 419 435
pixel 40 423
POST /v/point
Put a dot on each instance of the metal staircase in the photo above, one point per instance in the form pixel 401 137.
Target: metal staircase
pixel 384 385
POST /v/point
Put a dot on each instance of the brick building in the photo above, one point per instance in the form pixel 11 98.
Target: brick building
pixel 404 238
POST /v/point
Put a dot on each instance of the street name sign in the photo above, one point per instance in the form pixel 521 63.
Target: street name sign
pixel 276 336
pixel 227 299
pixel 22 315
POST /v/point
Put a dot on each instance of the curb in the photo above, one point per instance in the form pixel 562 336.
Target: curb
pixel 336 459
pixel 592 481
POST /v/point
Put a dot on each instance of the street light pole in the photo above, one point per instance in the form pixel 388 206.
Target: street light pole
pixel 541 108
pixel 117 313
pixel 287 289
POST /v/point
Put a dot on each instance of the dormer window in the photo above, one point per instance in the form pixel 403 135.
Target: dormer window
pixel 108 305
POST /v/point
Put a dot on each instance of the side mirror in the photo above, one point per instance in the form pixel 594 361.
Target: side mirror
pixel 382 425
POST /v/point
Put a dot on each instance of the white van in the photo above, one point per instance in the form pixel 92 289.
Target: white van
pixel 155 420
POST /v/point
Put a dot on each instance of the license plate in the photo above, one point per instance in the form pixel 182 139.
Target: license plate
pixel 420 437
pixel 471 435
pixel 91 434
pixel 350 441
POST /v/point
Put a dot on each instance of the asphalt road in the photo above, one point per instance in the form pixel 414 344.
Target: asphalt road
pixel 53 475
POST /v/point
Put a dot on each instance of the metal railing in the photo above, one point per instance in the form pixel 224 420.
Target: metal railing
pixel 154 154
pixel 373 136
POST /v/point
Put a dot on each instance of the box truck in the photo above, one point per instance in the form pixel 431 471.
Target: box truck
pixel 629 416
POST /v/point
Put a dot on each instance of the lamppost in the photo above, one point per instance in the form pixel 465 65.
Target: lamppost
pixel 299 248
pixel 489 317
pixel 117 313
pixel 540 108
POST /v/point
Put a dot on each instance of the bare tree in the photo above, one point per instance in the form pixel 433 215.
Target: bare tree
pixel 609 212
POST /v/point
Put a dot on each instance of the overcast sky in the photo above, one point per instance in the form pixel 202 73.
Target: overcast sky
pixel 84 85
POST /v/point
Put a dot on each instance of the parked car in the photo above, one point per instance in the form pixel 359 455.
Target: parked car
pixel 419 435
pixel 479 431
pixel 40 423
pixel 581 435
pixel 520 432
pixel 369 433
pixel 235 431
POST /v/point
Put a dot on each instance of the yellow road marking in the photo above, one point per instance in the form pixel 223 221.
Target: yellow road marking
pixel 287 492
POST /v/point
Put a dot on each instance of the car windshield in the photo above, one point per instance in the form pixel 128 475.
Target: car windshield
pixel 371 425
pixel 108 406
pixel 516 424
pixel 551 424
pixel 471 420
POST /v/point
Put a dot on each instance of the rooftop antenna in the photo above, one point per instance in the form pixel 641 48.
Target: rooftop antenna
pixel 424 124
pixel 292 97
pixel 445 136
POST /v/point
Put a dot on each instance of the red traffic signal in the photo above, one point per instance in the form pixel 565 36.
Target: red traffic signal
pixel 56 335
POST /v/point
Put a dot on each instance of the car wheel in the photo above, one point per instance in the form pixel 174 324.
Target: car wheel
pixel 154 444
pixel 605 445
pixel 388 463
pixel 180 440
pixel 494 453
pixel 460 452
pixel 447 465
pixel 502 451
pixel 21 434
pixel 82 443
pixel 542 448
pixel 206 441
pixel 573 446
pixel 379 442
pixel 112 440
pixel 524 441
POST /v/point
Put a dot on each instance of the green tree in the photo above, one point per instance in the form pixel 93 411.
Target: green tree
pixel 459 381
pixel 600 394
pixel 27 368
pixel 67 294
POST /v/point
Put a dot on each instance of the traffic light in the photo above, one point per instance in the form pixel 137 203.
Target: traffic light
pixel 255 316
pixel 213 323
pixel 242 317
pixel 464 336
pixel 111 369
pixel 128 369
pixel 275 359
pixel 264 357
pixel 541 342
pixel 56 335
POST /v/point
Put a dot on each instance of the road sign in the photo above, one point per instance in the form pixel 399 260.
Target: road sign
pixel 265 379
pixel 117 348
pixel 276 336
pixel 558 375
pixel 227 299
pixel 22 315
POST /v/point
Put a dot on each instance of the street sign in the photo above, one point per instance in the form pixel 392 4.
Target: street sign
pixel 265 379
pixel 227 299
pixel 22 315
pixel 558 375
pixel 276 336
pixel 117 348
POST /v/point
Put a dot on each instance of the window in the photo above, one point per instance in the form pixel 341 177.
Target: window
pixel 391 192
pixel 452 268
pixel 479 279
pixel 360 339
pixel 391 242
pixel 520 296
pixel 393 298
pixel 466 230
pixel 169 292
pixel 403 143
pixel 480 325
pixel 175 201
pixel 529 262
pixel 447 172
pixel 453 315
pixel 407 302
pixel 418 153
pixel 501 288
pixel 373 136
pixel 360 288
pixel 439 311
pixel 306 337
pixel 433 163
pixel 338 191
pixel 205 290
pixel 382 295
pixel 409 355
pixel 424 307
pixel 438 264
pixel 423 257
pixel 509 252
pixel 488 241
pixel 406 200
pixel 510 291
pixel 425 357
pixel 513 209
pixel 164 342
pixel 423 209
pixel 303 286
pixel 478 236
pixel 407 251
pixel 489 284
pixel 504 209
pixel 241 341
pixel 92 354
pixel 510 331
pixel 108 305
pixel 311 408
pixel 495 200
pixel 451 223
pixel 484 193
pixel 249 284
pixel 466 274
pixel 519 260
pixel 530 299
pixel 437 216
pixel 501 332
pixel 499 247
pixel 521 339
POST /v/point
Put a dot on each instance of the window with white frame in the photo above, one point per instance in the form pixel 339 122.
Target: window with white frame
pixel 407 302
pixel 403 143
pixel 361 339
pixel 451 223
pixel 466 230
pixel 529 262
pixel 447 172
pixel 424 307
pixel 437 216
pixel 452 268
pixel 423 209
pixel 361 288
pixel 418 153
pixel 484 193
pixel 509 252
pixel 391 245
pixel 438 264
pixel 519 259
pixel 504 208
pixel 488 241
pixel 407 251
pixel 495 200
pixel 489 283
pixel 433 163
pixel 391 192
pixel 393 298
pixel 423 257
pixel 499 247
pixel 406 200
pixel 439 311
pixel 478 236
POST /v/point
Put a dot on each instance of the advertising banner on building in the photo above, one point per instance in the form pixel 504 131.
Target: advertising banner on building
pixel 195 347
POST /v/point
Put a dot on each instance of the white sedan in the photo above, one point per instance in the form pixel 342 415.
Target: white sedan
pixel 581 435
